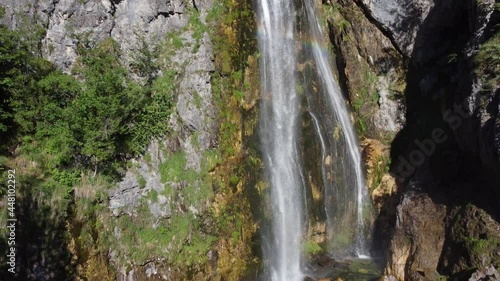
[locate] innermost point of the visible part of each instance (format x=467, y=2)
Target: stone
x=124, y=21
x=473, y=241
x=401, y=18
x=390, y=116
x=418, y=238
x=485, y=274
x=387, y=188
x=412, y=24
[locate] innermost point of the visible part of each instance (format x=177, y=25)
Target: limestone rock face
x=489, y=273
x=413, y=25
x=193, y=124
x=68, y=21
x=440, y=42
x=390, y=116
x=371, y=69
x=402, y=18
x=125, y=198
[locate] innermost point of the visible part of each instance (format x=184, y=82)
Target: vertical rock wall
x=444, y=158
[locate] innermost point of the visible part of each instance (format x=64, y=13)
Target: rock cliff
x=421, y=78
x=437, y=58
x=188, y=191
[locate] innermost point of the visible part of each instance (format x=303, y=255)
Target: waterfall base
x=326, y=268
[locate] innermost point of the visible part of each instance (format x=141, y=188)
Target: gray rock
x=150, y=269
x=126, y=196
x=160, y=209
x=401, y=18
x=485, y=274
x=125, y=21
x=414, y=25
x=195, y=109
x=391, y=114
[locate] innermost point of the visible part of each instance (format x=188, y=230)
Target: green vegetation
x=341, y=239
x=311, y=248
x=180, y=240
x=487, y=62
x=73, y=134
x=70, y=136
x=183, y=238
x=93, y=122
x=332, y=11
x=141, y=181
x=381, y=166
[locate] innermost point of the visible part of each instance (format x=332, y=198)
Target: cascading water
x=278, y=130
x=344, y=185
x=349, y=185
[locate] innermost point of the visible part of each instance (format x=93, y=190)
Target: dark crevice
x=377, y=24
x=164, y=15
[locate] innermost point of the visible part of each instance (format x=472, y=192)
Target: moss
x=197, y=99
x=174, y=39
x=311, y=248
x=141, y=181
x=147, y=158
x=180, y=240
x=475, y=231
x=174, y=168
x=341, y=240
x=487, y=62
x=153, y=194
x=363, y=59
x=194, y=140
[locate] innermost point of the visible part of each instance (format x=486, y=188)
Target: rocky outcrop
x=371, y=71
x=401, y=19
x=175, y=215
x=418, y=238
x=473, y=241
x=489, y=273
x=69, y=21
x=438, y=189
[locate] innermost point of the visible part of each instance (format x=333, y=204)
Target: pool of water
x=348, y=270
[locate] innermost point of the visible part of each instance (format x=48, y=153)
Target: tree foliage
x=92, y=118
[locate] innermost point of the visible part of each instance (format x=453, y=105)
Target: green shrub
x=311, y=247
x=141, y=181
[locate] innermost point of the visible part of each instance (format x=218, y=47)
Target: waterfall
x=349, y=185
x=345, y=192
x=278, y=131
